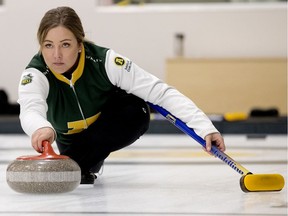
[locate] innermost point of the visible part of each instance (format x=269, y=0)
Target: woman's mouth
x=58, y=64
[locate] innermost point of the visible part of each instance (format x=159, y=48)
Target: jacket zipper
x=79, y=106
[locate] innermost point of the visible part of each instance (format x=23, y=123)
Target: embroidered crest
x=119, y=61
x=26, y=79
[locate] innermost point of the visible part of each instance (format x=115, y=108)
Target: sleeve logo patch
x=119, y=61
x=26, y=79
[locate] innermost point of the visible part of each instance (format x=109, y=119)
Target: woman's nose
x=57, y=53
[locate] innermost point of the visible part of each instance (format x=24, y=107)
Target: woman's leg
x=123, y=120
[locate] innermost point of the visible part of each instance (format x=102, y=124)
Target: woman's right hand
x=40, y=135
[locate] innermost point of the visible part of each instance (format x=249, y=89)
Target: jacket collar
x=77, y=73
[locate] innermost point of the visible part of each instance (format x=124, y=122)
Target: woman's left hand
x=217, y=140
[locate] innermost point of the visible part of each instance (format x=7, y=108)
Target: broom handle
x=183, y=127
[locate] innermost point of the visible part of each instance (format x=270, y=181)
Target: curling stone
x=45, y=173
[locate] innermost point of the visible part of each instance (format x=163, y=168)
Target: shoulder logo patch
x=119, y=61
x=26, y=79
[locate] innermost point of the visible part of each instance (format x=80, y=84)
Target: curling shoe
x=88, y=178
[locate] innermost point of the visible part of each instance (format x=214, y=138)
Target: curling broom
x=249, y=182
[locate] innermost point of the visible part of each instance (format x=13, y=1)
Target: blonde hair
x=61, y=16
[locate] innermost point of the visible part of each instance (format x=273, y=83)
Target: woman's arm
x=123, y=73
x=32, y=93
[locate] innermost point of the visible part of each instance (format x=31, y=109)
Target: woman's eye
x=66, y=45
x=48, y=45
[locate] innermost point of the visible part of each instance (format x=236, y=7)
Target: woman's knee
x=136, y=113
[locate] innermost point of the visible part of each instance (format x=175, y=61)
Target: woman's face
x=60, y=49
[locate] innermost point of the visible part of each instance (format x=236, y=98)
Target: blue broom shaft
x=183, y=127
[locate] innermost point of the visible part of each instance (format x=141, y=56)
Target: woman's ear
x=80, y=47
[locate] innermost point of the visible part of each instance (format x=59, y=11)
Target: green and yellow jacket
x=69, y=106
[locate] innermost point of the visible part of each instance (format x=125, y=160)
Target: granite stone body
x=45, y=173
x=43, y=176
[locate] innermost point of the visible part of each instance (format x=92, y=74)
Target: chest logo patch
x=26, y=79
x=119, y=61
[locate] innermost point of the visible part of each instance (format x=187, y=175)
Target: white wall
x=146, y=33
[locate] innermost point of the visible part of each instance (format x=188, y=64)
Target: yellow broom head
x=262, y=182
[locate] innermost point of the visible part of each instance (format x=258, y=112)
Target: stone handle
x=48, y=153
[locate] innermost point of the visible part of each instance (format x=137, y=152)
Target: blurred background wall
x=146, y=33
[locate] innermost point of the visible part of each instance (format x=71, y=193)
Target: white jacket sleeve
x=33, y=91
x=123, y=73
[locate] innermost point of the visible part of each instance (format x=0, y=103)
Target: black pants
x=123, y=120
